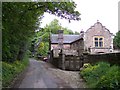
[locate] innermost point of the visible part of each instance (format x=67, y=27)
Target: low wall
x=112, y=58
x=67, y=62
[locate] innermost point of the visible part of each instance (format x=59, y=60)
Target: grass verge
x=11, y=70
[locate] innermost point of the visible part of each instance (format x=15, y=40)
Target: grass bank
x=11, y=70
x=101, y=75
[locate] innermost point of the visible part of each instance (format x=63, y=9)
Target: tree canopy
x=21, y=19
x=117, y=40
x=42, y=36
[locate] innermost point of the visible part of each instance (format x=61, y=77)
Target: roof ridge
x=68, y=38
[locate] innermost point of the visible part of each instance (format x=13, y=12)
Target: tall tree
x=21, y=19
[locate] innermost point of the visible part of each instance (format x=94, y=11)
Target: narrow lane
x=38, y=76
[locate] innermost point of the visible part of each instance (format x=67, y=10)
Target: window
x=98, y=41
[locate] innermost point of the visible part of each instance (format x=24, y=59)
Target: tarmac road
x=39, y=76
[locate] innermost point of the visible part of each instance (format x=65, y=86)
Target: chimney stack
x=60, y=39
x=82, y=33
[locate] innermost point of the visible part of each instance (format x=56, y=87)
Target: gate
x=73, y=62
x=67, y=62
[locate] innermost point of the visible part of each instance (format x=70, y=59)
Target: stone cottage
x=67, y=42
x=97, y=39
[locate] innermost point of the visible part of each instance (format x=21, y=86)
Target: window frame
x=98, y=41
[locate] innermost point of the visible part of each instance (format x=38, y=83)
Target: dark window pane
x=96, y=38
x=96, y=44
x=100, y=39
x=101, y=44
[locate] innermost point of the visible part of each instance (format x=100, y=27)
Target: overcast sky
x=106, y=11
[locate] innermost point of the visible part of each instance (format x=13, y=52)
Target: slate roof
x=67, y=39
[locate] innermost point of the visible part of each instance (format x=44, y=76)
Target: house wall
x=78, y=45
x=55, y=46
x=98, y=30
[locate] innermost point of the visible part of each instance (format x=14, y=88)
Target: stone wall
x=65, y=51
x=79, y=46
x=55, y=46
x=112, y=58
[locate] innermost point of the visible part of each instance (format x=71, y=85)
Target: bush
x=102, y=75
x=86, y=65
x=111, y=79
x=11, y=70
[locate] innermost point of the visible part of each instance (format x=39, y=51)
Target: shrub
x=86, y=65
x=7, y=73
x=111, y=79
x=11, y=70
x=102, y=75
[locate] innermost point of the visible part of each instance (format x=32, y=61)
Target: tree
x=44, y=34
x=21, y=19
x=67, y=31
x=76, y=33
x=18, y=27
x=54, y=26
x=43, y=48
x=117, y=39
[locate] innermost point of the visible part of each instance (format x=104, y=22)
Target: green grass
x=102, y=75
x=11, y=70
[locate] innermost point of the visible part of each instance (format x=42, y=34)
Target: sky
x=106, y=11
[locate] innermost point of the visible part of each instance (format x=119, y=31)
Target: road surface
x=39, y=76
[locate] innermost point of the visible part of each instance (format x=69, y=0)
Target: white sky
x=106, y=11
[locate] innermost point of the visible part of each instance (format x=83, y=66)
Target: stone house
x=67, y=42
x=97, y=39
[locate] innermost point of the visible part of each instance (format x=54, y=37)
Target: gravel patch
x=70, y=77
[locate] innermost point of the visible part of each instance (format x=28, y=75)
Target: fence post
x=63, y=61
x=60, y=60
x=85, y=56
x=74, y=62
x=81, y=60
x=51, y=56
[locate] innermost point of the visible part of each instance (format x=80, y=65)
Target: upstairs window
x=98, y=41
